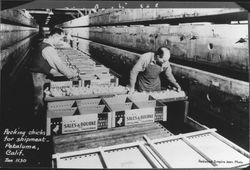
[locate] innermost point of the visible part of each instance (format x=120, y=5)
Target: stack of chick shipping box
x=101, y=113
x=77, y=115
x=90, y=72
x=72, y=115
x=135, y=109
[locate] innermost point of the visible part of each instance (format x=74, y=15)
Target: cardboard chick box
x=101, y=69
x=90, y=79
x=84, y=117
x=89, y=102
x=96, y=105
x=67, y=104
x=65, y=84
x=147, y=101
x=167, y=94
x=109, y=78
x=125, y=112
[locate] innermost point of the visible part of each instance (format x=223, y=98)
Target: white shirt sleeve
x=50, y=54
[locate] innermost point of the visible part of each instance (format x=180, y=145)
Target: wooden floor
x=107, y=137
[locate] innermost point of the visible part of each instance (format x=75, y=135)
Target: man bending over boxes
x=46, y=62
x=145, y=75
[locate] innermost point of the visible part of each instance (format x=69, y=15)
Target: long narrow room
x=124, y=84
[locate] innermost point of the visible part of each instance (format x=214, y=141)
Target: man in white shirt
x=47, y=61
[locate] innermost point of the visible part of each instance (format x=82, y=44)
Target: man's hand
x=73, y=74
x=177, y=88
x=130, y=90
x=74, y=78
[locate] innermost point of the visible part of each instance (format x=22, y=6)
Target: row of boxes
x=90, y=72
x=71, y=93
x=100, y=113
x=87, y=80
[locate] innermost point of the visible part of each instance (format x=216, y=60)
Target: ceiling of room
x=51, y=17
x=48, y=13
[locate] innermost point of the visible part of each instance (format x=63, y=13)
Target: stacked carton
x=130, y=110
x=93, y=77
x=90, y=72
x=79, y=110
x=77, y=115
x=101, y=113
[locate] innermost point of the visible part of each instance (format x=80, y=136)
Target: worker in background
x=46, y=62
x=145, y=75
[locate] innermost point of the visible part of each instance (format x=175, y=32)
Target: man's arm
x=170, y=76
x=50, y=54
x=53, y=72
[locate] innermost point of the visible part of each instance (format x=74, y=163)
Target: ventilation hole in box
x=210, y=46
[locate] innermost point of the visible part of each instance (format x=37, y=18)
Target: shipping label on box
x=69, y=124
x=78, y=123
x=160, y=108
x=133, y=116
x=138, y=116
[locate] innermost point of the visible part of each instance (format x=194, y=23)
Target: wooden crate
x=130, y=155
x=108, y=137
x=201, y=149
